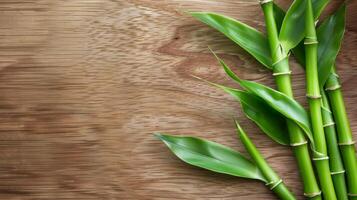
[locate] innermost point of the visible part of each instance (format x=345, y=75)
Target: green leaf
x=329, y=34
x=293, y=27
x=268, y=119
x=299, y=54
x=251, y=40
x=282, y=103
x=279, y=15
x=212, y=156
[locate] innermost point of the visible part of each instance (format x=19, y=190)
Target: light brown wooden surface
x=85, y=83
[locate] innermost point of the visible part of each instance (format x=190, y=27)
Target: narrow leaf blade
x=279, y=15
x=283, y=104
x=293, y=27
x=248, y=38
x=268, y=119
x=211, y=156
x=330, y=34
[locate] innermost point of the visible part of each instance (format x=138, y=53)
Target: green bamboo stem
x=274, y=181
x=314, y=97
x=283, y=82
x=336, y=165
x=344, y=135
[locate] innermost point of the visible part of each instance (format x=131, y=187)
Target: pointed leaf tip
x=241, y=134
x=239, y=128
x=256, y=109
x=157, y=135
x=209, y=82
x=215, y=55
x=227, y=69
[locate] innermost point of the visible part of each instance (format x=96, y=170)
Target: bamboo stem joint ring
x=326, y=109
x=311, y=195
x=275, y=184
x=310, y=40
x=339, y=172
x=282, y=73
x=329, y=124
x=335, y=87
x=298, y=144
x=321, y=158
x=313, y=96
x=347, y=143
x=281, y=59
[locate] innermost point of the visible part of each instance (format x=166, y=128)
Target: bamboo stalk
x=314, y=97
x=283, y=82
x=275, y=183
x=336, y=165
x=345, y=140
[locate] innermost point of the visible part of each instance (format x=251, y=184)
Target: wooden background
x=85, y=83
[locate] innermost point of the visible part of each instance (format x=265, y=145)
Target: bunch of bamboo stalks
x=321, y=137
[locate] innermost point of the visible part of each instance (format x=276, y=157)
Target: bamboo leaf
x=268, y=119
x=279, y=15
x=299, y=54
x=293, y=27
x=283, y=104
x=329, y=34
x=248, y=38
x=212, y=156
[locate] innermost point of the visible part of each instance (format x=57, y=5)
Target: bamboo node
x=310, y=40
x=329, y=124
x=326, y=109
x=313, y=96
x=352, y=195
x=275, y=184
x=321, y=158
x=313, y=194
x=336, y=75
x=335, y=87
x=346, y=143
x=317, y=21
x=338, y=172
x=298, y=143
x=281, y=73
x=278, y=61
x=264, y=1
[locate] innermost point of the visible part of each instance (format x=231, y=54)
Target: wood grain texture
x=85, y=83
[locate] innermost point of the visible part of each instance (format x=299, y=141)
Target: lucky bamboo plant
x=276, y=112
x=273, y=52
x=314, y=97
x=329, y=36
x=345, y=140
x=218, y=158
